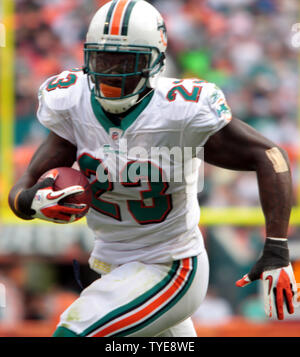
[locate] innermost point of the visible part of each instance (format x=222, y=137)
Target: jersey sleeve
x=56, y=120
x=212, y=114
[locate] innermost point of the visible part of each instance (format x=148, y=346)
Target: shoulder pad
x=63, y=92
x=193, y=98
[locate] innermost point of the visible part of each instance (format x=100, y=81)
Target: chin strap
x=117, y=106
x=108, y=107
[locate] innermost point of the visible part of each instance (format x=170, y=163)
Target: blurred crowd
x=244, y=46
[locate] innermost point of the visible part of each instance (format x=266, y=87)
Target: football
x=67, y=177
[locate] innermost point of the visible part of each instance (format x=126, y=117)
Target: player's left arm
x=240, y=147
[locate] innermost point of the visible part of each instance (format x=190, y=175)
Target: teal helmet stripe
x=127, y=17
x=108, y=17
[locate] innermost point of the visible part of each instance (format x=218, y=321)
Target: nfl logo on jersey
x=115, y=134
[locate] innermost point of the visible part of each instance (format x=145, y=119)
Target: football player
x=148, y=247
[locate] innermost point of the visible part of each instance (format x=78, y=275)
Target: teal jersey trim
x=127, y=121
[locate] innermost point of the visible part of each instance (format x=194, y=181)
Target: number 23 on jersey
x=161, y=203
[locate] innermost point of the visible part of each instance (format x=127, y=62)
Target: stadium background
x=245, y=46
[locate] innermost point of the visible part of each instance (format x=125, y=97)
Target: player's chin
x=128, y=85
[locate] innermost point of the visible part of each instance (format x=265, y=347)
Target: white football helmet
x=124, y=50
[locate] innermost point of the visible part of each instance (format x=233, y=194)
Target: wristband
x=16, y=200
x=275, y=255
x=26, y=196
x=276, y=252
x=278, y=239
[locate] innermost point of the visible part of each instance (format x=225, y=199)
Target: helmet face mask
x=125, y=69
x=124, y=50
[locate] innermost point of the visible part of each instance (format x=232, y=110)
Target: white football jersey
x=144, y=206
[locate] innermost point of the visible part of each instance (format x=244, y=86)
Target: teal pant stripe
x=64, y=332
x=165, y=308
x=135, y=303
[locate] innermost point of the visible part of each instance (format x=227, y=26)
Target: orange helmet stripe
x=117, y=17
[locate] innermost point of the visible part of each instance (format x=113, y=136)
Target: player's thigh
x=175, y=320
x=183, y=329
x=139, y=299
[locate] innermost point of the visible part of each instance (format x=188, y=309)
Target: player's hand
x=279, y=284
x=41, y=201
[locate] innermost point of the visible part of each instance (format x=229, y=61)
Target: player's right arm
x=53, y=152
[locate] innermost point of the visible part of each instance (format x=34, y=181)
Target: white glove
x=279, y=289
x=41, y=201
x=276, y=272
